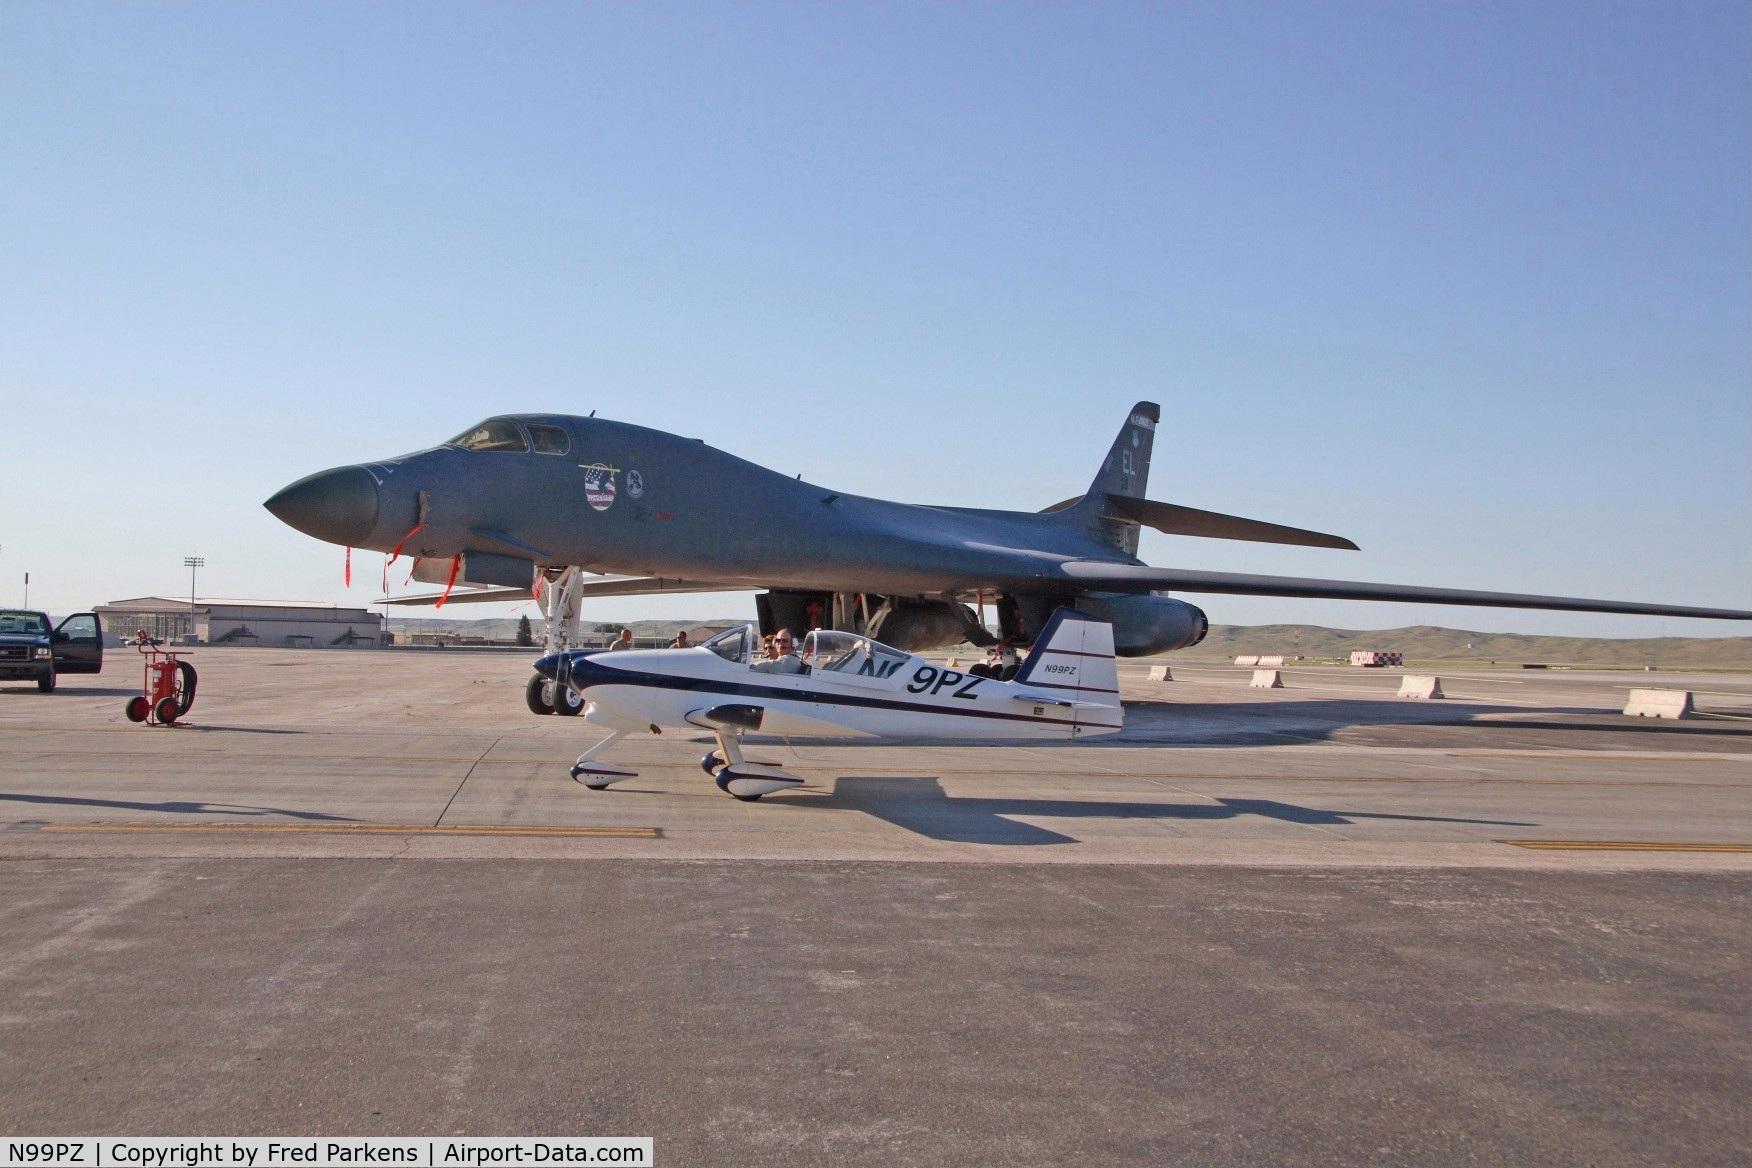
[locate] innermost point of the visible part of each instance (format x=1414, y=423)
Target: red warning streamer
x=347, y=569
x=396, y=554
x=455, y=566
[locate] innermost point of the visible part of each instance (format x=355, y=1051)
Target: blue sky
x=1466, y=283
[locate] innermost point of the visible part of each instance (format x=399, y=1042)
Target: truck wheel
x=567, y=701
x=46, y=683
x=185, y=687
x=534, y=697
x=139, y=709
x=166, y=710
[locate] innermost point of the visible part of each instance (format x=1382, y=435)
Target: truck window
x=82, y=627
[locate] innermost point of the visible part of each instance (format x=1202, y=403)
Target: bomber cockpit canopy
x=492, y=434
x=840, y=652
x=506, y=435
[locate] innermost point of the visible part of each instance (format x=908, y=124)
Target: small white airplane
x=842, y=685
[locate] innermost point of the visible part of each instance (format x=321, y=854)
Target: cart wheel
x=185, y=687
x=535, y=696
x=166, y=710
x=139, y=709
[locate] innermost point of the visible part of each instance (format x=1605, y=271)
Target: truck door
x=78, y=644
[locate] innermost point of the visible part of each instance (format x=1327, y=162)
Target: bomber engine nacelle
x=1147, y=624
x=915, y=624
x=920, y=625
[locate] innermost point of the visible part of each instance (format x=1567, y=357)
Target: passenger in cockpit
x=781, y=655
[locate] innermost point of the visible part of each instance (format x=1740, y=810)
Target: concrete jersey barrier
x=1267, y=679
x=1414, y=685
x=1659, y=703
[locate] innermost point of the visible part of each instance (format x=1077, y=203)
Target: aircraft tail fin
x=1124, y=474
x=1126, y=470
x=1073, y=659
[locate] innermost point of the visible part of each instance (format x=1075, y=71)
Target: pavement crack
x=467, y=775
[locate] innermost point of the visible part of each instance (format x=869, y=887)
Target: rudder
x=1073, y=659
x=1124, y=472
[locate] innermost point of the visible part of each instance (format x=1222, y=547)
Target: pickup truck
x=30, y=649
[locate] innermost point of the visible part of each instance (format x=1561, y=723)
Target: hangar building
x=278, y=623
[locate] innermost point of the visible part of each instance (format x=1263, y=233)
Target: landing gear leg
x=560, y=604
x=598, y=775
x=740, y=778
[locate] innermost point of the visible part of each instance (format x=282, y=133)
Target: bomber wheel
x=535, y=694
x=138, y=708
x=568, y=702
x=166, y=709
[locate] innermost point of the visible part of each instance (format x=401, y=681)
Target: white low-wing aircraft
x=842, y=685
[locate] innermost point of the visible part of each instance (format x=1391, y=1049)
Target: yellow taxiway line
x=1626, y=846
x=358, y=829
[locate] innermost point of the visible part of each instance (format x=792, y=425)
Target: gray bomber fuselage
x=669, y=512
x=700, y=513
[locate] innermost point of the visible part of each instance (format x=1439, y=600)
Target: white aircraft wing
x=1142, y=578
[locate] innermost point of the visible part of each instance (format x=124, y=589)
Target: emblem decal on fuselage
x=635, y=484
x=599, y=488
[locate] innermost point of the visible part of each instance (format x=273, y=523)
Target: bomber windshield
x=23, y=622
x=496, y=434
x=838, y=652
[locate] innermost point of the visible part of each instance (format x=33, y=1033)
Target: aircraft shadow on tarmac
x=1219, y=724
x=172, y=808
x=921, y=805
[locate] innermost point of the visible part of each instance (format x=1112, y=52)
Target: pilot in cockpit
x=781, y=655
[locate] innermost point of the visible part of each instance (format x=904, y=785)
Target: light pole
x=193, y=564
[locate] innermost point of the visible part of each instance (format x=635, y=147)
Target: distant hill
x=1430, y=643
x=1417, y=643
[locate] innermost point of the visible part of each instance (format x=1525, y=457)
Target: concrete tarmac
x=358, y=893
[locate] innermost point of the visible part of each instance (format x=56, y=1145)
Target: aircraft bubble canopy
x=840, y=652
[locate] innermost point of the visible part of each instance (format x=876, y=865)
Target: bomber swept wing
x=1142, y=578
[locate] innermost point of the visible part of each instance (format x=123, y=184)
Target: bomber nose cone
x=338, y=505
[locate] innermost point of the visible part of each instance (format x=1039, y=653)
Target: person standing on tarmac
x=624, y=641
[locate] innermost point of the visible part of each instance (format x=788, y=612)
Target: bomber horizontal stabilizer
x=1142, y=578
x=1174, y=519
